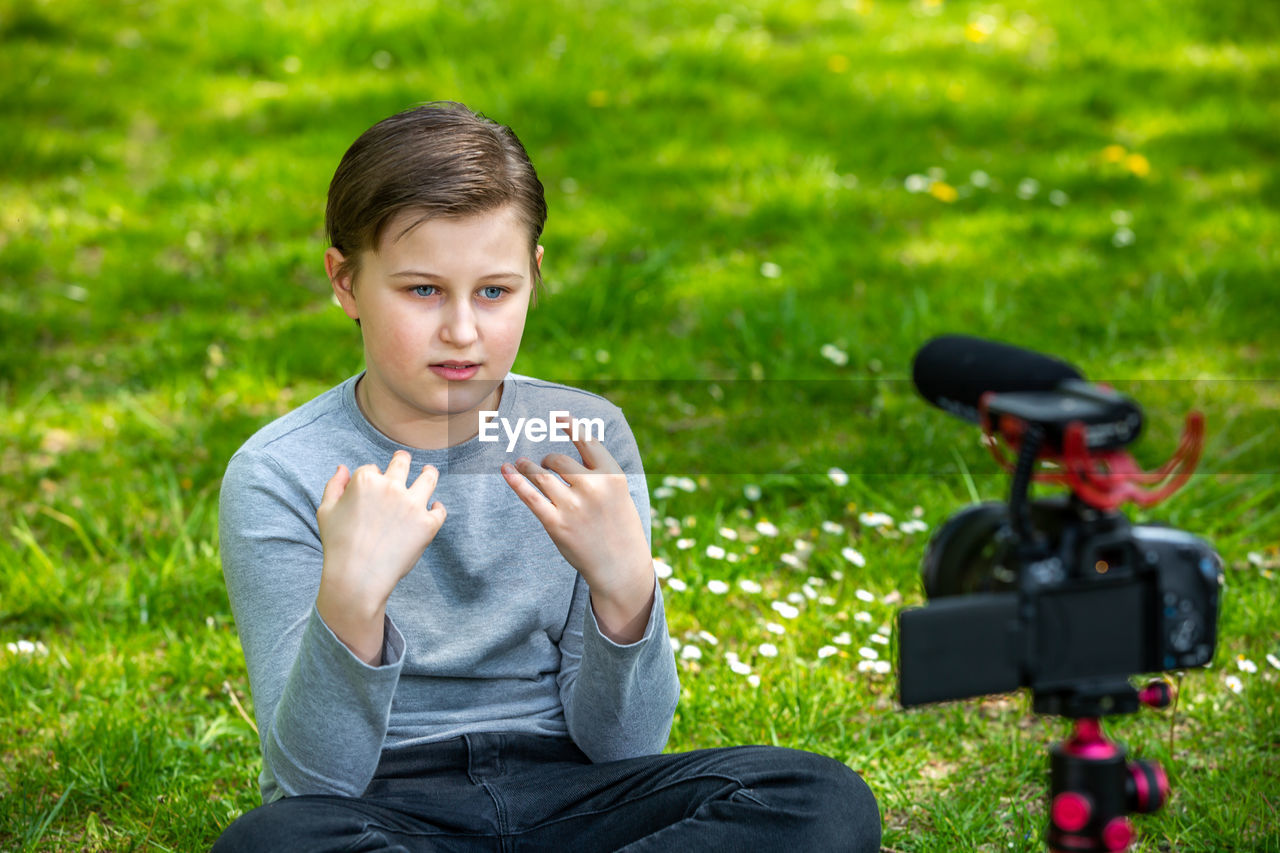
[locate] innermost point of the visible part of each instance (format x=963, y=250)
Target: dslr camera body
x=1064, y=594
x=1090, y=601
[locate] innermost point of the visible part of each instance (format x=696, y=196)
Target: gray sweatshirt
x=491, y=631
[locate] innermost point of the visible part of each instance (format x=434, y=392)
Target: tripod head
x=1092, y=786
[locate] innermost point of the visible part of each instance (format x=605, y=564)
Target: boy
x=449, y=646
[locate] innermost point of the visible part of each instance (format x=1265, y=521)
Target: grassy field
x=788, y=196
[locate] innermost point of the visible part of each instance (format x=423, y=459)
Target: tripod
x=1092, y=787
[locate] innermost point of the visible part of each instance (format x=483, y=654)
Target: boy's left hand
x=594, y=523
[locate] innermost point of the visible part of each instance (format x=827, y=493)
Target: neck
x=417, y=429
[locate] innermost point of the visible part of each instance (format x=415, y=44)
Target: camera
x=1064, y=594
x=1091, y=599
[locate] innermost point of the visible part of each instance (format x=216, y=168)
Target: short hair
x=439, y=158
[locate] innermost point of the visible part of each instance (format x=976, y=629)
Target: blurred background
x=789, y=196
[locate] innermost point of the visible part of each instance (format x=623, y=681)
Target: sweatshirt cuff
x=339, y=654
x=656, y=618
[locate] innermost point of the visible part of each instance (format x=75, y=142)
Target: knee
x=839, y=807
x=253, y=830
x=292, y=823
x=852, y=808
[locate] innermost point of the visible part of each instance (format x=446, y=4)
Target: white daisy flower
x=786, y=611
x=853, y=556
x=766, y=528
x=838, y=476
x=836, y=356
x=768, y=650
x=717, y=587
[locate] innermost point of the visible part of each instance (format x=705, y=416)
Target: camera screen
x=1096, y=632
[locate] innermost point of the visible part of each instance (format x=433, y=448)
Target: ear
x=533, y=291
x=344, y=285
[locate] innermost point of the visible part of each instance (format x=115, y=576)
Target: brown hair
x=439, y=158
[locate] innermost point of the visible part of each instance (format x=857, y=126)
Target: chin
x=470, y=396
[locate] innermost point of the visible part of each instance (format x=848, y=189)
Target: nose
x=459, y=327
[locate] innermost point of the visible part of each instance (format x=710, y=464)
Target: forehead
x=500, y=229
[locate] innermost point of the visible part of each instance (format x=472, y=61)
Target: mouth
x=455, y=369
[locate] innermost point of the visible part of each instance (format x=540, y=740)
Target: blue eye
x=493, y=292
x=418, y=291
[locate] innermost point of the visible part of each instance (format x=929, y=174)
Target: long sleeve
x=491, y=631
x=619, y=700
x=322, y=713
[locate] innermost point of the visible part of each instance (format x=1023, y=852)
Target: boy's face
x=448, y=292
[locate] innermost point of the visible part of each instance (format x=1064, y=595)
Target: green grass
x=729, y=193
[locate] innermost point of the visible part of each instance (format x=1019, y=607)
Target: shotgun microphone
x=953, y=372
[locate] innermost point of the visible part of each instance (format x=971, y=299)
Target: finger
x=334, y=489
x=398, y=467
x=425, y=485
x=438, y=514
x=566, y=466
x=555, y=490
x=542, y=508
x=596, y=456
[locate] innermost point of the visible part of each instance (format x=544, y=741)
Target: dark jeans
x=514, y=792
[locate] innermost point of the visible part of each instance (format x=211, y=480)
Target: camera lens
x=968, y=553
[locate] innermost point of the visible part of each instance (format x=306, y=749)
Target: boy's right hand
x=374, y=528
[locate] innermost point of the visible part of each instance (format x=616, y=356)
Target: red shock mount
x=1102, y=479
